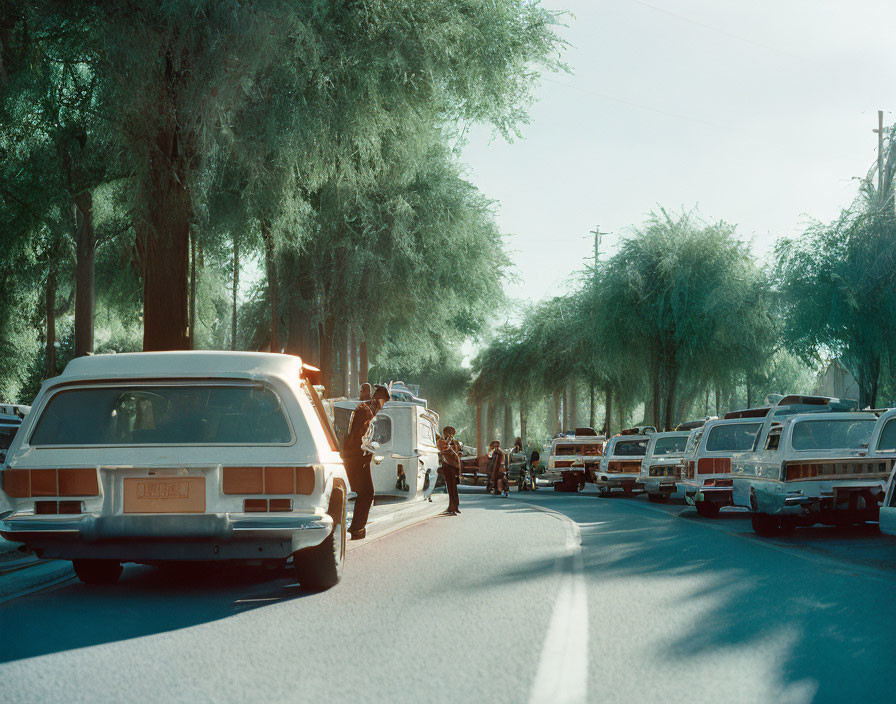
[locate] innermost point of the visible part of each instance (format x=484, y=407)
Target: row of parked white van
x=800, y=461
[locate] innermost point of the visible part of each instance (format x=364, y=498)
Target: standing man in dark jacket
x=449, y=452
x=357, y=461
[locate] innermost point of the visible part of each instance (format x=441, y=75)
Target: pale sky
x=760, y=113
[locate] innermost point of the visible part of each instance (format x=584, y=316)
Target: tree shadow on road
x=146, y=601
x=821, y=627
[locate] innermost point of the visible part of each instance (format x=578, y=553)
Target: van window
x=426, y=433
x=887, y=440
x=159, y=414
x=732, y=437
x=382, y=429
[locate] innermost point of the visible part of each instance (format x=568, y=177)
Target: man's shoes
x=358, y=534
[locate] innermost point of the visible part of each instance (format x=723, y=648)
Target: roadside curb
x=33, y=575
x=405, y=517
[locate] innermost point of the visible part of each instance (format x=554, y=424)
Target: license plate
x=164, y=495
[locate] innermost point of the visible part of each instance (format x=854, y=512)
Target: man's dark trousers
x=451, y=487
x=358, y=471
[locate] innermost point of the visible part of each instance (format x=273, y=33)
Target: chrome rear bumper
x=214, y=536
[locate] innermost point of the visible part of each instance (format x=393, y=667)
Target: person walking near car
x=449, y=468
x=357, y=461
x=497, y=469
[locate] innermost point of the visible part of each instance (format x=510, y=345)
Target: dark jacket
x=363, y=414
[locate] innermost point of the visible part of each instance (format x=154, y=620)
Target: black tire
x=708, y=509
x=766, y=526
x=97, y=571
x=320, y=567
x=604, y=491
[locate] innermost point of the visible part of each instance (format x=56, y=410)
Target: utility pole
x=880, y=152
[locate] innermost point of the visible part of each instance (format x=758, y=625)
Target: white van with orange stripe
x=173, y=456
x=574, y=458
x=809, y=468
x=706, y=465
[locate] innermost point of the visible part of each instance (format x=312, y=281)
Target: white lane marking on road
x=562, y=674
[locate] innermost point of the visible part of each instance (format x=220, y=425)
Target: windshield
x=832, y=434
x=670, y=446
x=163, y=415
x=630, y=448
x=734, y=437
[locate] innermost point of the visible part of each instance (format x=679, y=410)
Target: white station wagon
x=808, y=468
x=174, y=456
x=620, y=466
x=661, y=466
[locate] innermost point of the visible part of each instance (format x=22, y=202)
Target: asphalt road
x=536, y=597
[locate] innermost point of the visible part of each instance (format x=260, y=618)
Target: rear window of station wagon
x=734, y=437
x=630, y=448
x=670, y=446
x=832, y=434
x=191, y=414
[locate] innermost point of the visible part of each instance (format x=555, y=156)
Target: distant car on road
x=179, y=456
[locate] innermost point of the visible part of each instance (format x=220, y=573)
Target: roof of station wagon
x=196, y=363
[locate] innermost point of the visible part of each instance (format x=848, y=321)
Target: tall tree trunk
x=717, y=399
x=591, y=390
x=672, y=381
x=573, y=405
x=362, y=363
x=165, y=230
x=270, y=262
x=655, y=391
x=325, y=337
x=608, y=410
x=524, y=412
x=490, y=421
x=84, y=274
x=555, y=419
x=236, y=286
x=749, y=394
x=192, y=290
x=508, y=425
x=480, y=446
x=564, y=415
x=353, y=383
x=50, y=302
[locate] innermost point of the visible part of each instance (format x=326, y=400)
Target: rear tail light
x=266, y=505
x=255, y=505
x=714, y=465
x=833, y=470
x=25, y=483
x=44, y=508
x=623, y=466
x=268, y=480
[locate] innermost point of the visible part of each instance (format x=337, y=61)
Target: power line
x=712, y=28
x=640, y=106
